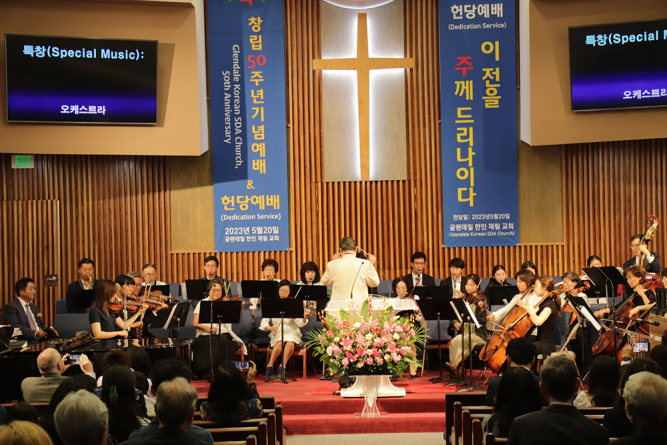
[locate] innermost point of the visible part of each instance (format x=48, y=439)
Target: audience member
x=118, y=394
x=520, y=353
x=664, y=334
x=164, y=371
x=560, y=422
x=232, y=398
x=603, y=381
x=70, y=384
x=645, y=397
x=23, y=433
x=51, y=365
x=117, y=357
x=22, y=313
x=21, y=411
x=81, y=419
x=615, y=419
x=659, y=355
x=175, y=405
x=140, y=361
x=518, y=394
x=3, y=411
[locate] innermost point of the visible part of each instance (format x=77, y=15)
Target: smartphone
x=311, y=304
x=243, y=366
x=640, y=347
x=73, y=360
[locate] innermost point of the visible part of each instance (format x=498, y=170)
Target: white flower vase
x=370, y=385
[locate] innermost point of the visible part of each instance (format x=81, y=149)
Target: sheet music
x=166, y=325
x=590, y=318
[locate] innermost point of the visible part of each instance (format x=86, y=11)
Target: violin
x=478, y=296
x=118, y=306
x=567, y=308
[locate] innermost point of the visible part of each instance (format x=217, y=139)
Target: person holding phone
x=51, y=365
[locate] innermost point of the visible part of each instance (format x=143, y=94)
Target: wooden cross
x=362, y=65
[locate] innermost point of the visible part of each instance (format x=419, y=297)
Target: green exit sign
x=23, y=161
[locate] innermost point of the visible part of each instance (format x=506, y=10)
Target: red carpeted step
x=348, y=424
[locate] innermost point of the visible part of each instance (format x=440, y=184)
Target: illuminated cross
x=362, y=65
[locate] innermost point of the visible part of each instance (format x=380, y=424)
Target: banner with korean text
x=248, y=117
x=480, y=190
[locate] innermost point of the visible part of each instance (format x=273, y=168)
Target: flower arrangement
x=367, y=343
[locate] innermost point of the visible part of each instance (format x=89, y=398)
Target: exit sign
x=23, y=161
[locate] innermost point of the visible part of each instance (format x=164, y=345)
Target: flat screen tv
x=69, y=80
x=618, y=65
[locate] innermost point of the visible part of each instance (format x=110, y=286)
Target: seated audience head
x=284, y=288
x=139, y=359
x=639, y=364
x=81, y=419
x=518, y=394
x=603, y=380
x=560, y=380
x=521, y=352
x=21, y=411
x=456, y=266
x=168, y=369
x=117, y=357
x=175, y=403
x=472, y=283
x=141, y=382
x=47, y=361
x=664, y=338
x=348, y=244
x=23, y=433
x=418, y=262
x=400, y=287
x=119, y=396
x=659, y=355
x=529, y=265
x=645, y=397
x=228, y=388
x=594, y=261
x=524, y=279
x=309, y=273
x=269, y=269
x=25, y=288
x=499, y=273
x=211, y=264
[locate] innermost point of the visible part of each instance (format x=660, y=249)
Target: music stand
x=434, y=305
x=196, y=289
x=223, y=312
x=283, y=308
x=173, y=319
x=83, y=300
x=259, y=289
x=612, y=276
x=500, y=295
x=584, y=314
x=465, y=315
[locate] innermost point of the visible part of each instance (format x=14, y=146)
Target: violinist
x=417, y=277
x=572, y=282
x=498, y=276
x=458, y=351
x=650, y=261
x=104, y=323
x=400, y=288
x=543, y=316
x=291, y=334
x=643, y=299
x=149, y=272
x=134, y=295
x=221, y=347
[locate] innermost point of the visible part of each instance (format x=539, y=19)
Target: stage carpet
x=311, y=408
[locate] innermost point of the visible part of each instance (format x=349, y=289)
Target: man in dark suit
x=454, y=282
x=560, y=422
x=418, y=277
x=651, y=261
x=520, y=353
x=175, y=405
x=23, y=314
x=645, y=397
x=86, y=269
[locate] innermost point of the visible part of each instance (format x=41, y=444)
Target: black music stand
x=500, y=295
x=83, y=300
x=196, y=289
x=222, y=312
x=613, y=277
x=259, y=289
x=434, y=305
x=585, y=314
x=283, y=308
x=174, y=319
x=465, y=314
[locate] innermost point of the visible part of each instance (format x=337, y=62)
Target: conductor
x=349, y=276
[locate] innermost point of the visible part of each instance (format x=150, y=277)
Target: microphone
x=355, y=280
x=641, y=320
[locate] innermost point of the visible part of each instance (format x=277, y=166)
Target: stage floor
x=311, y=408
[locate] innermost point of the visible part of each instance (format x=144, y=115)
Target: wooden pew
x=271, y=426
x=240, y=434
x=250, y=440
x=473, y=398
x=268, y=402
x=490, y=439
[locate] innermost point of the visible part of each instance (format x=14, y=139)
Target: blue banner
x=480, y=191
x=248, y=118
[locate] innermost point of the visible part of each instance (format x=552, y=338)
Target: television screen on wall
x=70, y=80
x=618, y=65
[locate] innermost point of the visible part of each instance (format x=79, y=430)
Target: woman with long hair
x=518, y=394
x=103, y=323
x=119, y=395
x=544, y=316
x=603, y=380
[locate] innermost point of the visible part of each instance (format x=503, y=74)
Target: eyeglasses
x=421, y=263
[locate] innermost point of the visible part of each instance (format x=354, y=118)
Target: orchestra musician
x=417, y=277
x=86, y=269
x=400, y=288
x=651, y=260
x=290, y=333
x=453, y=281
x=529, y=265
x=309, y=274
x=594, y=261
x=498, y=276
x=131, y=283
x=458, y=350
x=544, y=316
x=211, y=265
x=149, y=273
x=222, y=346
x=104, y=323
x=525, y=280
x=349, y=276
x=643, y=299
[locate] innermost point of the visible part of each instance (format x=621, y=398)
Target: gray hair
x=646, y=393
x=81, y=418
x=48, y=360
x=348, y=243
x=174, y=402
x=134, y=274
